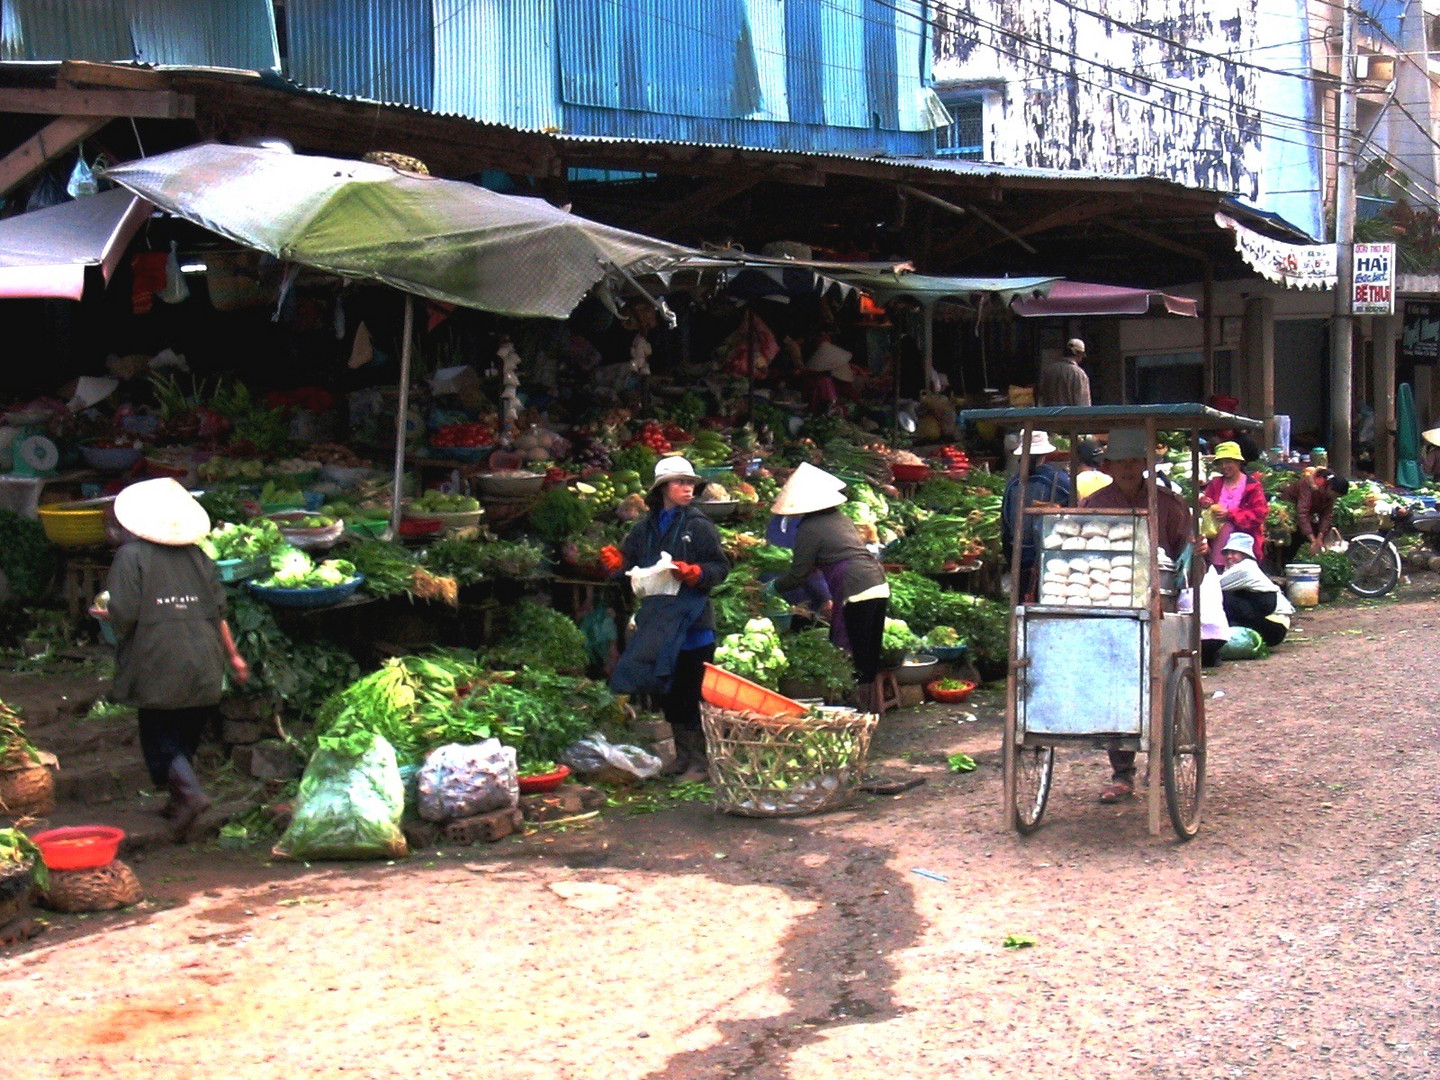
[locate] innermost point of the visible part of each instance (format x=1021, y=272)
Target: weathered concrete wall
x=1101, y=93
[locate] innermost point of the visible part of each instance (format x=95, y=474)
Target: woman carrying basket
x=674, y=635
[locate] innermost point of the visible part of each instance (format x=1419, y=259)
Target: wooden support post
x=1156, y=742
x=1387, y=329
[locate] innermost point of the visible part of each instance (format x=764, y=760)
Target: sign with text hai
x=1374, y=280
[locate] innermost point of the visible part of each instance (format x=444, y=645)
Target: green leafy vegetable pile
x=540, y=637
x=259, y=539
x=16, y=849
x=27, y=557
x=301, y=675
x=294, y=569
x=389, y=569
x=560, y=513
x=754, y=654
x=814, y=658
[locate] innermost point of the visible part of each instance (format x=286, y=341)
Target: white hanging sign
x=1374, y=290
x=1296, y=266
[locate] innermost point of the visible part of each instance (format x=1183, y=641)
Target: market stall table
x=1140, y=658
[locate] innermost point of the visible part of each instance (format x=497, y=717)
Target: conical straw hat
x=162, y=511
x=809, y=489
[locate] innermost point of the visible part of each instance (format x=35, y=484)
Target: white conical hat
x=829, y=357
x=809, y=489
x=161, y=511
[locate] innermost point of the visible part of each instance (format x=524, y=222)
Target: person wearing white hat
x=1430, y=456
x=827, y=540
x=1048, y=485
x=674, y=636
x=167, y=608
x=1251, y=598
x=830, y=370
x=1063, y=381
x=1128, y=489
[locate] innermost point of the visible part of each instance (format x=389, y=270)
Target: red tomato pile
x=675, y=433
x=653, y=435
x=462, y=435
x=953, y=460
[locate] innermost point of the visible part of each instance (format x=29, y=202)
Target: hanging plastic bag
x=82, y=181
x=175, y=291
x=461, y=781
x=349, y=807
x=595, y=753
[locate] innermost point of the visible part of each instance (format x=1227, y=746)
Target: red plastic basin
x=535, y=785
x=78, y=847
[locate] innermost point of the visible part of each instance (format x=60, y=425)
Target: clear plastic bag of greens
x=349, y=805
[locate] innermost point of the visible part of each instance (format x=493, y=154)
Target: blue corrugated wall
x=215, y=33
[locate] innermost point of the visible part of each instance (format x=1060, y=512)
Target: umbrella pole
x=402, y=415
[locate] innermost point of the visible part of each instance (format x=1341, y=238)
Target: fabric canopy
x=1083, y=298
x=926, y=290
x=44, y=254
x=442, y=239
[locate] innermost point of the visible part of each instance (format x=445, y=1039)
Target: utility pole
x=1342, y=326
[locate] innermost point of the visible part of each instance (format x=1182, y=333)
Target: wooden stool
x=882, y=694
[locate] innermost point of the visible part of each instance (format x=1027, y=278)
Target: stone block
x=496, y=825
x=561, y=803
x=256, y=707
x=243, y=732
x=911, y=696
x=649, y=731
x=591, y=798
x=271, y=759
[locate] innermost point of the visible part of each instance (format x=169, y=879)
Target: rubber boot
x=190, y=799
x=684, y=747
x=697, y=763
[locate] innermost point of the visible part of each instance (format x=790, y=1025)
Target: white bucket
x=1302, y=584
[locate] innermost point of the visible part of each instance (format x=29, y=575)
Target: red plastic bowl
x=535, y=785
x=910, y=474
x=78, y=847
x=420, y=526
x=949, y=697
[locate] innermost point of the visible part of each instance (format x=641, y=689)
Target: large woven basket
x=29, y=789
x=784, y=766
x=101, y=888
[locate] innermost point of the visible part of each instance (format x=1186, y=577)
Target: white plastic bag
x=1214, y=626
x=595, y=753
x=462, y=781
x=656, y=580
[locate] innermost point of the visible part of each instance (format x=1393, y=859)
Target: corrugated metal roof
x=519, y=85
x=378, y=49
x=748, y=134
x=217, y=33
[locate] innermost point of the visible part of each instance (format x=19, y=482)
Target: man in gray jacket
x=1063, y=381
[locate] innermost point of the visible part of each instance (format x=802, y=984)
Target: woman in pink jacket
x=1235, y=502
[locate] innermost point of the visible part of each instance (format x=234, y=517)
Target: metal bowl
x=718, y=510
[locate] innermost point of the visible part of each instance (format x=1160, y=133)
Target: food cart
x=1098, y=653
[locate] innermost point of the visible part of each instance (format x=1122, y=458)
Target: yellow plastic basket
x=82, y=526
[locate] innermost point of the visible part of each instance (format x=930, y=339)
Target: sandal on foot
x=1117, y=791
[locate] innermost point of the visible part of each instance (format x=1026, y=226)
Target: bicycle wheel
x=1374, y=565
x=1184, y=751
x=1034, y=769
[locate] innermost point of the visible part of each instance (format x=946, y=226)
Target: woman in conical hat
x=167, y=608
x=826, y=539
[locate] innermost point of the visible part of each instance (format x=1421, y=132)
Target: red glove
x=687, y=572
x=611, y=558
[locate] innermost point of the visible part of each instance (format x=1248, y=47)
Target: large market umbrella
x=442, y=239
x=48, y=253
x=1407, y=440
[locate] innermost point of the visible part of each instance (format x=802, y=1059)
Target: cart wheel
x=1034, y=768
x=1184, y=765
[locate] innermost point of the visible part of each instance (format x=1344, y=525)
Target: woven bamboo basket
x=29, y=789
x=101, y=888
x=784, y=766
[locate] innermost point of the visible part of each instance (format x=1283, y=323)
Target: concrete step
x=92, y=781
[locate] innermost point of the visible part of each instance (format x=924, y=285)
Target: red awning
x=44, y=254
x=1083, y=298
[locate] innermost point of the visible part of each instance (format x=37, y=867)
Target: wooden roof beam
x=1159, y=241
x=146, y=104
x=697, y=203
x=55, y=138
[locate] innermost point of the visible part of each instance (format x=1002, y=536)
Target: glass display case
x=1094, y=559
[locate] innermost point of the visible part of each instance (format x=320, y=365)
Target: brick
x=911, y=696
x=664, y=749
x=490, y=827
x=565, y=802
x=248, y=707
x=652, y=730
x=243, y=732
x=421, y=834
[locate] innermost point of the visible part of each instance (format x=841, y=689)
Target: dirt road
x=1294, y=938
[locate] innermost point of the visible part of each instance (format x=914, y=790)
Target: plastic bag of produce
x=656, y=580
x=1244, y=644
x=461, y=781
x=597, y=754
x=349, y=807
